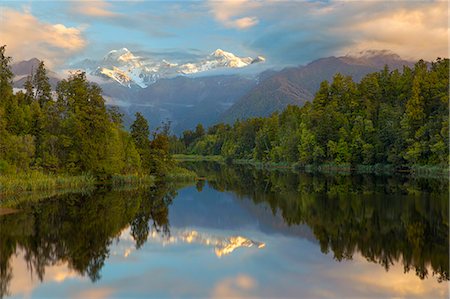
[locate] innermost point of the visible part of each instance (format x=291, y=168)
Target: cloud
x=233, y=13
x=241, y=286
x=25, y=283
x=246, y=22
x=418, y=32
x=97, y=8
x=27, y=37
x=95, y=293
x=298, y=32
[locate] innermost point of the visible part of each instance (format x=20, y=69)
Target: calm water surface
x=242, y=233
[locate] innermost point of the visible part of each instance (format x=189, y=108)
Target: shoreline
x=377, y=169
x=24, y=184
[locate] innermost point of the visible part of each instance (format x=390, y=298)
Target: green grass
x=13, y=199
x=36, y=184
x=38, y=181
x=120, y=180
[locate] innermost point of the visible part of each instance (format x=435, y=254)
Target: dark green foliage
x=398, y=118
x=43, y=90
x=155, y=154
x=72, y=131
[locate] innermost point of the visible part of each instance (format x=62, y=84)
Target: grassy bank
x=13, y=199
x=38, y=181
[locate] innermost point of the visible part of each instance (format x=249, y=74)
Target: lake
x=239, y=233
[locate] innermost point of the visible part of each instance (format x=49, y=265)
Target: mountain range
x=129, y=69
x=218, y=87
x=296, y=85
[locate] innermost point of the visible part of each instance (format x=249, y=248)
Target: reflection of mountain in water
x=222, y=245
x=389, y=220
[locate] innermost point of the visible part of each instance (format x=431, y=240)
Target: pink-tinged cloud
x=96, y=8
x=234, y=13
x=95, y=293
x=26, y=37
x=415, y=33
x=241, y=286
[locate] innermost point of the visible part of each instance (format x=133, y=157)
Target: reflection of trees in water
x=79, y=229
x=155, y=210
x=387, y=219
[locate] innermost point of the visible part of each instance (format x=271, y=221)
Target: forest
x=397, y=118
x=72, y=131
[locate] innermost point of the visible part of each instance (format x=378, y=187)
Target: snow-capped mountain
x=129, y=69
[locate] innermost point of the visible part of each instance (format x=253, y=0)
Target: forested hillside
x=71, y=130
x=389, y=117
x=297, y=85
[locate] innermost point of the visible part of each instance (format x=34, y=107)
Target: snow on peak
x=128, y=69
x=222, y=53
x=121, y=54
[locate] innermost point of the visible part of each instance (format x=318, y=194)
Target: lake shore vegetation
x=390, y=121
x=69, y=138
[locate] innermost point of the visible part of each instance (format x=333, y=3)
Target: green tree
x=140, y=133
x=43, y=90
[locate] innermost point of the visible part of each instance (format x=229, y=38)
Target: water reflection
x=222, y=245
x=388, y=220
x=272, y=229
x=79, y=229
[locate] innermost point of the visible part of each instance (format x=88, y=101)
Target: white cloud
x=26, y=37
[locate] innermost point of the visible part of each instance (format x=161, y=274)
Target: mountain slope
x=271, y=95
x=296, y=85
x=23, y=69
x=182, y=100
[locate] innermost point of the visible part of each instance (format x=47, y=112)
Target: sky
x=284, y=32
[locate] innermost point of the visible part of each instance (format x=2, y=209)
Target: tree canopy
x=390, y=117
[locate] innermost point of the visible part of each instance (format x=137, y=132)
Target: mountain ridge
x=186, y=100
x=129, y=70
x=302, y=82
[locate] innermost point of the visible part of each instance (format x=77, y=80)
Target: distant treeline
x=71, y=130
x=390, y=117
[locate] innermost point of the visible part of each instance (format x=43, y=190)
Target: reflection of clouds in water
x=125, y=246
x=24, y=282
x=358, y=278
x=241, y=286
x=289, y=275
x=373, y=279
x=97, y=293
